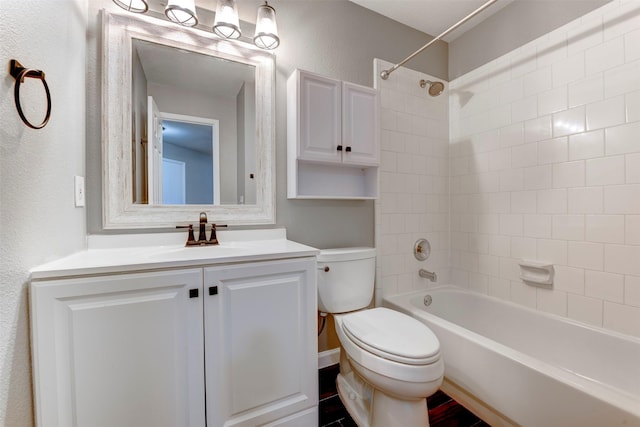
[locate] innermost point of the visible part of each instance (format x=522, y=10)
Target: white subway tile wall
x=414, y=181
x=545, y=163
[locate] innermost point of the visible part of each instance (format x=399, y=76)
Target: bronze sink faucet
x=202, y=235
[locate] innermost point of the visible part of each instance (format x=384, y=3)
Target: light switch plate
x=79, y=190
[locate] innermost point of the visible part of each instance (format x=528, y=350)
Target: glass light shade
x=182, y=12
x=136, y=6
x=227, y=24
x=266, y=36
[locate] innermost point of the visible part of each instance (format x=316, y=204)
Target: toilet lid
x=392, y=335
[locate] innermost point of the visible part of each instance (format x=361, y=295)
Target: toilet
x=389, y=362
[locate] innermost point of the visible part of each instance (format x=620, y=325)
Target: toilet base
x=369, y=407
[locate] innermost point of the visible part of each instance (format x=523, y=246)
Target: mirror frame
x=118, y=209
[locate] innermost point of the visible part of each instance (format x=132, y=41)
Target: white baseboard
x=328, y=358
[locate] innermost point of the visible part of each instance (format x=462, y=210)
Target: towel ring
x=19, y=73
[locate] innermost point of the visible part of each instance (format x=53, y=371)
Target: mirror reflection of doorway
x=185, y=167
x=193, y=141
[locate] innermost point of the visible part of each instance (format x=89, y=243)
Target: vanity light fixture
x=182, y=12
x=227, y=24
x=266, y=36
x=136, y=6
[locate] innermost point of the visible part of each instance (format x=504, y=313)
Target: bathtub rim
x=460, y=289
x=592, y=387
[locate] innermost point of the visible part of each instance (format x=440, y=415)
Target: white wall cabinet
x=360, y=125
x=144, y=349
x=332, y=138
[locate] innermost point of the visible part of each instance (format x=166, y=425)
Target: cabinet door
x=260, y=342
x=360, y=124
x=320, y=117
x=122, y=350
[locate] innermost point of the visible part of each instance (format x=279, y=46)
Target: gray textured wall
x=38, y=219
x=336, y=38
x=511, y=27
x=340, y=41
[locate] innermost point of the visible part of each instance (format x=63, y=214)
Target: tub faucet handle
x=422, y=249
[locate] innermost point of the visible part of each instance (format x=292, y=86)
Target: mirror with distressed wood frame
x=130, y=172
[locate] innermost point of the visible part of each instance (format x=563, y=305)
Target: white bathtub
x=515, y=366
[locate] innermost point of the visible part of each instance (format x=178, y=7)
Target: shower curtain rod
x=386, y=73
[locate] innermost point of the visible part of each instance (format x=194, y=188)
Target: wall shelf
x=325, y=181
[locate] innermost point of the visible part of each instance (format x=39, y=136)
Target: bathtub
x=515, y=366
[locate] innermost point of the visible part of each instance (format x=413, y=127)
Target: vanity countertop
x=139, y=252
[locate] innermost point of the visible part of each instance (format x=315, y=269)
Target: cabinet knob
x=193, y=293
x=339, y=147
x=213, y=290
x=348, y=149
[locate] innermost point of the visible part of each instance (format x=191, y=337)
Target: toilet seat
x=380, y=361
x=392, y=335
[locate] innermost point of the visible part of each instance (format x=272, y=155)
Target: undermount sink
x=226, y=249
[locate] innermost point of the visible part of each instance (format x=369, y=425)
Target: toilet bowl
x=389, y=362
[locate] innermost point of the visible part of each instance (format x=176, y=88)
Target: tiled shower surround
x=414, y=181
x=543, y=163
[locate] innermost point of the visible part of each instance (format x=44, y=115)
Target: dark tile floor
x=443, y=410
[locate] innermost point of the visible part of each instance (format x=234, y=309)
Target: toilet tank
x=348, y=282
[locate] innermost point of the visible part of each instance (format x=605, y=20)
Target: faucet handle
x=214, y=239
x=191, y=240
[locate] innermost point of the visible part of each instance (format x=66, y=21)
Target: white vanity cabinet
x=119, y=350
x=260, y=343
x=332, y=138
x=216, y=344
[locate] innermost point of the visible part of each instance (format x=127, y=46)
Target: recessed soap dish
x=537, y=273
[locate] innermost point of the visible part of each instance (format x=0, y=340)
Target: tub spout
x=428, y=275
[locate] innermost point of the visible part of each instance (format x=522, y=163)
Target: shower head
x=435, y=88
